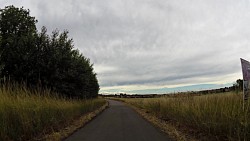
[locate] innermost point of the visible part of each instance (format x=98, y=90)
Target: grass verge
x=209, y=117
x=25, y=114
x=76, y=124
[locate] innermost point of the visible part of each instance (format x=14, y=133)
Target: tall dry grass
x=219, y=115
x=25, y=114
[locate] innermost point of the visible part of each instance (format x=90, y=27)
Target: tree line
x=38, y=58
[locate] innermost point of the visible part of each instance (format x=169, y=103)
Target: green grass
x=218, y=115
x=25, y=114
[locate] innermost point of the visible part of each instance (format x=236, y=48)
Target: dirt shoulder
x=75, y=126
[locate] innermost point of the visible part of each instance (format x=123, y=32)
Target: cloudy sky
x=147, y=46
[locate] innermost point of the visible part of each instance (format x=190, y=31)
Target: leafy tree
x=239, y=84
x=17, y=30
x=39, y=58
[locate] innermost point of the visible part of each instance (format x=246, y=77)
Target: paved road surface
x=118, y=123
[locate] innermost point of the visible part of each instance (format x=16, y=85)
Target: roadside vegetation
x=44, y=82
x=37, y=58
x=25, y=113
x=217, y=116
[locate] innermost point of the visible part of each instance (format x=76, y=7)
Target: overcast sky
x=152, y=44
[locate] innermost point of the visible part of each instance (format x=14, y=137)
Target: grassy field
x=25, y=114
x=220, y=116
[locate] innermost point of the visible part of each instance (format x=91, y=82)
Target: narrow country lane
x=118, y=123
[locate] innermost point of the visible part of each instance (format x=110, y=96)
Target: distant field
x=218, y=115
x=25, y=114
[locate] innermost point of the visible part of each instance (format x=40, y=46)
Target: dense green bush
x=37, y=58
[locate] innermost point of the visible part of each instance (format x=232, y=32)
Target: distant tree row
x=38, y=58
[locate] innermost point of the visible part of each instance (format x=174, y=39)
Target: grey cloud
x=148, y=42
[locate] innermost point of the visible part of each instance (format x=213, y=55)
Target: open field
x=26, y=114
x=220, y=116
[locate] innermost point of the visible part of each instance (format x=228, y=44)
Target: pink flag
x=246, y=78
x=245, y=69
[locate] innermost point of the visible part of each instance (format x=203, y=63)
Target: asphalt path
x=118, y=123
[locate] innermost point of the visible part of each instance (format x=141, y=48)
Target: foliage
x=17, y=31
x=26, y=113
x=239, y=84
x=37, y=58
x=220, y=115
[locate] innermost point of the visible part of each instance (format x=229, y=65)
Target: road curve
x=118, y=123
